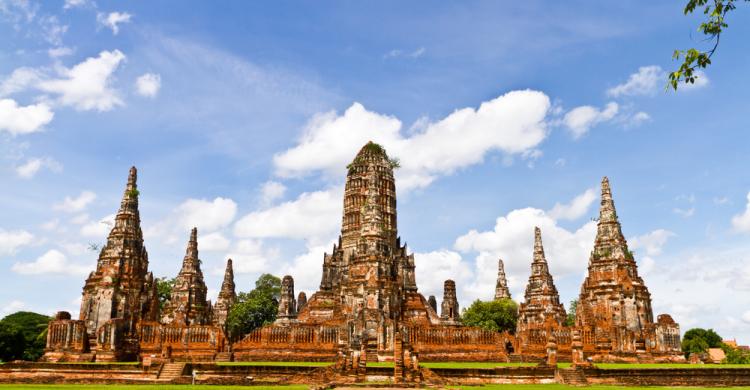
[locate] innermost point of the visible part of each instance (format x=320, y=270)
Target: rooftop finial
x=501, y=288
x=607, y=211
x=538, y=247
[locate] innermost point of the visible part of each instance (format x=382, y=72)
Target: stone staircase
x=223, y=357
x=572, y=376
x=171, y=371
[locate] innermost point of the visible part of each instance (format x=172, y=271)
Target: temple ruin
x=367, y=307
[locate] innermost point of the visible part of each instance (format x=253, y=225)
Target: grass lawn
x=285, y=364
x=668, y=365
x=566, y=387
x=148, y=387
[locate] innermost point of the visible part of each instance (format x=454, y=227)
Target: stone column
x=398, y=357
x=551, y=350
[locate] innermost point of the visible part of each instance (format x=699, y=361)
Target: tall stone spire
x=542, y=301
x=612, y=291
x=501, y=288
x=188, y=305
x=227, y=297
x=121, y=286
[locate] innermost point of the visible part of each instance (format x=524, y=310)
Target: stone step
x=171, y=371
x=223, y=357
x=572, y=376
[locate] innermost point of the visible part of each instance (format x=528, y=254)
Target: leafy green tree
x=164, y=287
x=255, y=308
x=12, y=342
x=499, y=315
x=735, y=355
x=570, y=320
x=33, y=326
x=699, y=340
x=692, y=59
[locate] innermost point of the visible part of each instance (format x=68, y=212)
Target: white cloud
x=206, y=215
x=87, y=85
x=11, y=241
x=685, y=213
x=52, y=30
x=419, y=52
x=72, y=205
x=52, y=262
x=638, y=119
x=313, y=215
x=80, y=219
x=576, y=208
x=646, y=81
x=649, y=80
x=32, y=167
x=17, y=119
x=701, y=81
x=512, y=239
x=580, y=119
x=11, y=307
x=270, y=192
x=75, y=3
x=652, y=242
x=113, y=19
x=434, y=268
x=250, y=256
x=746, y=316
x=51, y=225
x=741, y=222
x=98, y=229
x=57, y=52
x=148, y=85
x=19, y=80
x=213, y=242
x=513, y=123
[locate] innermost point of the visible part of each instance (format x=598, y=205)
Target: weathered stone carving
x=501, y=287
x=227, y=297
x=614, y=304
x=287, y=303
x=449, y=308
x=188, y=304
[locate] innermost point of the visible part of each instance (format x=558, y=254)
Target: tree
x=33, y=326
x=498, y=315
x=570, y=320
x=693, y=59
x=164, y=290
x=699, y=340
x=255, y=308
x=735, y=355
x=12, y=342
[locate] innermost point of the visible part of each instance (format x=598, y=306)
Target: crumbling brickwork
x=188, y=304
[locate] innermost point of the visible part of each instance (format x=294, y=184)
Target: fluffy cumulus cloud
x=87, y=85
x=270, y=191
x=72, y=205
x=434, y=268
x=98, y=229
x=741, y=222
x=32, y=166
x=646, y=81
x=576, y=208
x=649, y=80
x=16, y=119
x=51, y=262
x=11, y=241
x=19, y=80
x=652, y=242
x=206, y=215
x=513, y=123
x=113, y=20
x=313, y=216
x=148, y=85
x=250, y=256
x=512, y=239
x=213, y=242
x=581, y=119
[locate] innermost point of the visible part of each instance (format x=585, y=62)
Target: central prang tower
x=368, y=279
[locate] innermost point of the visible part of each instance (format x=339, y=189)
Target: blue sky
x=241, y=118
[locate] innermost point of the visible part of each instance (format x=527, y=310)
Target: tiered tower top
x=369, y=219
x=501, y=288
